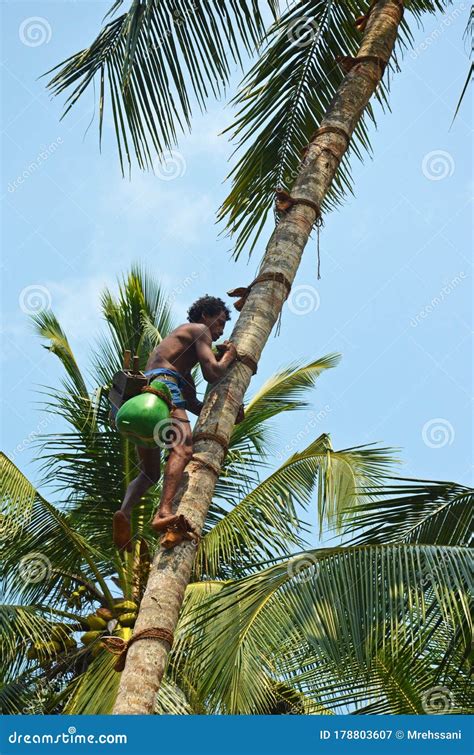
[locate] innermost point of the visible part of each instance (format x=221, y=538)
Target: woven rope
x=117, y=646
x=223, y=442
x=248, y=361
x=161, y=394
x=243, y=291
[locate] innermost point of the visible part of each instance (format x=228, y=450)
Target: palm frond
x=338, y=606
x=468, y=36
x=94, y=692
x=46, y=546
x=47, y=326
x=284, y=391
x=154, y=60
x=138, y=317
x=171, y=701
x=414, y=511
x=282, y=101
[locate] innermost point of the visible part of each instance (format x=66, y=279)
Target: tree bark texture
x=171, y=570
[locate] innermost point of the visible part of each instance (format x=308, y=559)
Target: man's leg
x=149, y=475
x=181, y=452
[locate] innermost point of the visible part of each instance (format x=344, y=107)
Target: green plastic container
x=144, y=419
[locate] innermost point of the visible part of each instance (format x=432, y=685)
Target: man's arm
x=189, y=395
x=214, y=369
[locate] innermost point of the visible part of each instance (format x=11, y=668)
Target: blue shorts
x=175, y=388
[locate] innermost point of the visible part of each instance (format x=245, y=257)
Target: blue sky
x=395, y=296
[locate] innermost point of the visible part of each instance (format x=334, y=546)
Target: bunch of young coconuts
x=117, y=621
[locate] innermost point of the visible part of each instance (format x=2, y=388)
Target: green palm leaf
x=47, y=326
x=283, y=391
x=344, y=605
x=138, y=318
x=43, y=546
x=94, y=691
x=154, y=60
x=282, y=101
x=414, y=511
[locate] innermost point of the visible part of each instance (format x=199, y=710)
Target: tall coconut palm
x=65, y=587
x=294, y=88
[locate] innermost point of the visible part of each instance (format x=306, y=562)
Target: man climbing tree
x=172, y=361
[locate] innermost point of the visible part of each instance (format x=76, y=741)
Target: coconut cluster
x=117, y=621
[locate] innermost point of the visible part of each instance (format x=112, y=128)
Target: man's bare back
x=178, y=350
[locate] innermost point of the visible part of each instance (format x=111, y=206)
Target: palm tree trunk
x=171, y=570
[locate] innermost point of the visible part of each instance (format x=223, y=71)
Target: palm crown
x=266, y=625
x=155, y=63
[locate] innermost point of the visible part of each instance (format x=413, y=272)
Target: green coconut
x=95, y=622
x=125, y=606
x=144, y=419
x=128, y=619
x=124, y=633
x=89, y=637
x=105, y=613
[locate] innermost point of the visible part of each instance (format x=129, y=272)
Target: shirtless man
x=171, y=362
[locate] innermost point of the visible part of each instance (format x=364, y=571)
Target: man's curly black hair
x=207, y=305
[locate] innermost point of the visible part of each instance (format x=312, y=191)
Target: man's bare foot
x=162, y=521
x=122, y=531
